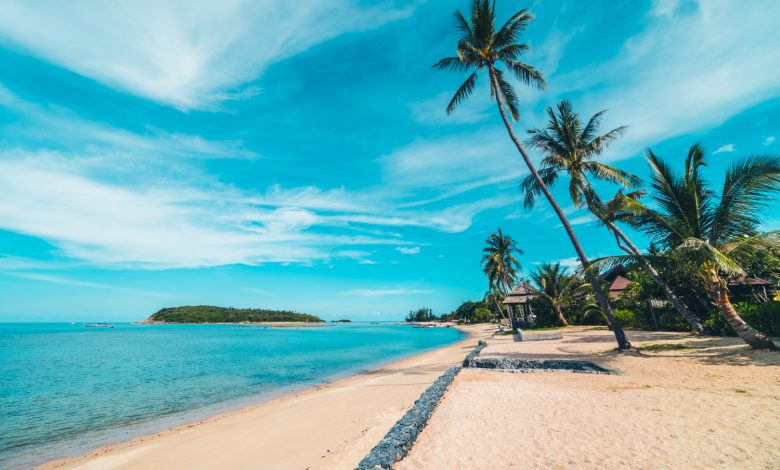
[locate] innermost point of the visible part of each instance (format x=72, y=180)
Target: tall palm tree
x=571, y=148
x=483, y=47
x=708, y=231
x=556, y=287
x=500, y=265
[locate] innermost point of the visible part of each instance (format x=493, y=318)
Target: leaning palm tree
x=708, y=231
x=557, y=288
x=571, y=148
x=500, y=264
x=482, y=47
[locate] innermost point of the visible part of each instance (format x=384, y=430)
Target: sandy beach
x=330, y=426
x=712, y=406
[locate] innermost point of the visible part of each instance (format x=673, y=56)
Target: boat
x=98, y=325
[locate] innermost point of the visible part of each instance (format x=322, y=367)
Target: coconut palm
x=499, y=263
x=571, y=148
x=709, y=231
x=557, y=288
x=482, y=47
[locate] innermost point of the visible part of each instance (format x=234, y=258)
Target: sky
x=297, y=155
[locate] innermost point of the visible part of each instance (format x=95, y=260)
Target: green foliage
x=211, y=314
x=630, y=318
x=764, y=317
x=481, y=315
x=421, y=315
x=673, y=321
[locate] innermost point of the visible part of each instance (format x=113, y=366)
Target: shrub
x=481, y=315
x=628, y=318
x=673, y=321
x=764, y=317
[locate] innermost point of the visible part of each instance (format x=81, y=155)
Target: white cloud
x=769, y=140
x=674, y=77
x=455, y=164
x=183, y=53
x=665, y=8
x=384, y=292
x=408, y=250
x=725, y=149
x=583, y=219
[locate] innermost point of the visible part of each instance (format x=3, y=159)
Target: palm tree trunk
x=559, y=312
x=716, y=288
x=510, y=311
x=620, y=335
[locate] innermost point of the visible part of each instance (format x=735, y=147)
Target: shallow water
x=65, y=389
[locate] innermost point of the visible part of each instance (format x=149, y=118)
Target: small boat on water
x=98, y=325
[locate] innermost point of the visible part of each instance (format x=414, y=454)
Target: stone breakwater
x=473, y=354
x=399, y=440
x=529, y=365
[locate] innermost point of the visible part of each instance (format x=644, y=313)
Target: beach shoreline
x=360, y=407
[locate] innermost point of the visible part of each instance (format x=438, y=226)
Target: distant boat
x=98, y=325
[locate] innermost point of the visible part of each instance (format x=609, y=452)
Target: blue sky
x=297, y=154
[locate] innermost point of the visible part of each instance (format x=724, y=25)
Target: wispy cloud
x=186, y=54
x=725, y=149
x=769, y=140
x=663, y=84
x=386, y=292
x=408, y=250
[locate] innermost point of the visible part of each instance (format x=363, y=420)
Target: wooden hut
x=618, y=286
x=518, y=303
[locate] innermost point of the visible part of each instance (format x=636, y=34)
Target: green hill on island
x=211, y=314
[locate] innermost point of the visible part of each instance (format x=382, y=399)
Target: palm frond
x=747, y=189
x=612, y=174
x=465, y=90
x=527, y=74
x=531, y=189
x=509, y=33
x=703, y=252
x=453, y=64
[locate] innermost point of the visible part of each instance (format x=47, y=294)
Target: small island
x=211, y=314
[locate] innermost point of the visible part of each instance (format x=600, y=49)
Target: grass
x=660, y=347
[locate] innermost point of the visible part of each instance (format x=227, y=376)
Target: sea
x=66, y=389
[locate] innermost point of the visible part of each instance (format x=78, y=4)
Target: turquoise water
x=65, y=389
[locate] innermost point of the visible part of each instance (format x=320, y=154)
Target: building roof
x=619, y=284
x=521, y=294
x=749, y=281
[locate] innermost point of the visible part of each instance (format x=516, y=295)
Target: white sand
x=332, y=426
x=715, y=407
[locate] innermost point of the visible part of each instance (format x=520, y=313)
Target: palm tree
x=556, y=287
x=482, y=47
x=500, y=265
x=712, y=233
x=572, y=149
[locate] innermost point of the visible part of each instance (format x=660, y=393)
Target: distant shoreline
x=277, y=324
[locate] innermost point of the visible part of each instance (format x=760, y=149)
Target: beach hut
x=518, y=303
x=751, y=289
x=618, y=286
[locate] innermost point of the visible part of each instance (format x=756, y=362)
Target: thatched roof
x=749, y=281
x=521, y=294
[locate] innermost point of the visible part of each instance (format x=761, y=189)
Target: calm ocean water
x=65, y=389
